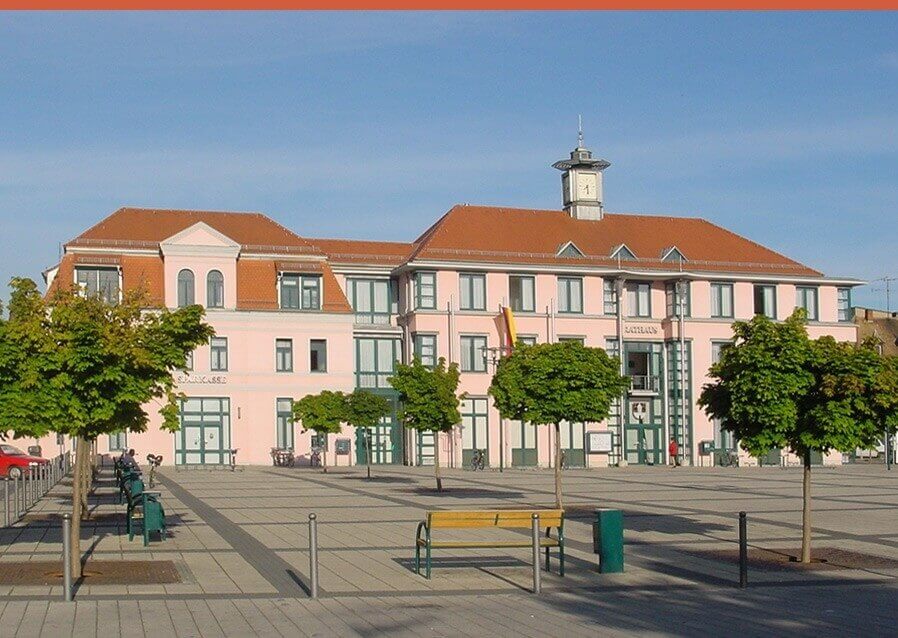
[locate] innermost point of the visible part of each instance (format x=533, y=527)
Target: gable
x=672, y=254
x=569, y=250
x=622, y=252
x=200, y=234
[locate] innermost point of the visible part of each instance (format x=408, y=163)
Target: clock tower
x=581, y=182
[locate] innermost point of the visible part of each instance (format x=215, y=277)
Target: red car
x=14, y=462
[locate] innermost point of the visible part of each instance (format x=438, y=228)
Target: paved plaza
x=240, y=543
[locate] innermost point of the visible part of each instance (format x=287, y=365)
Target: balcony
x=373, y=319
x=644, y=384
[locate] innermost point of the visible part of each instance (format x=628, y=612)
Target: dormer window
x=623, y=253
x=186, y=288
x=300, y=292
x=98, y=281
x=672, y=254
x=214, y=289
x=569, y=250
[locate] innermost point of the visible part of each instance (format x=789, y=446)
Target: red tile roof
x=147, y=227
x=351, y=251
x=526, y=236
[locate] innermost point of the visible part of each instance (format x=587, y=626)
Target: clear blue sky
x=783, y=127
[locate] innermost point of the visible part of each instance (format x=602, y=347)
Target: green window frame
x=571, y=339
x=375, y=361
x=527, y=340
x=284, y=423
x=843, y=304
x=186, y=288
x=609, y=297
x=214, y=289
x=317, y=355
x=218, y=354
x=300, y=292
x=99, y=281
x=472, y=291
x=118, y=441
x=639, y=299
x=721, y=300
x=672, y=299
x=765, y=300
x=283, y=355
x=807, y=297
x=425, y=290
x=570, y=295
x=522, y=293
x=473, y=353
x=372, y=300
x=426, y=349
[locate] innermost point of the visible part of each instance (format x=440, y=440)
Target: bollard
x=743, y=551
x=535, y=531
x=21, y=494
x=5, y=502
x=66, y=558
x=313, y=555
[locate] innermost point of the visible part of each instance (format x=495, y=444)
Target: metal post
x=5, y=502
x=888, y=450
x=743, y=551
x=536, y=575
x=313, y=555
x=67, y=557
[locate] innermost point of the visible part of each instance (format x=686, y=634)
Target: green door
x=643, y=444
x=572, y=444
x=474, y=430
x=205, y=434
x=523, y=444
x=426, y=448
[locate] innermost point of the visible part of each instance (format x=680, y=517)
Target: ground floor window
x=474, y=429
x=523, y=444
x=285, y=423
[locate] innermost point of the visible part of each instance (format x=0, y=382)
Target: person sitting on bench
x=128, y=461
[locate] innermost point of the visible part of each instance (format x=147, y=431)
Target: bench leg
x=417, y=559
x=427, y=562
x=561, y=560
x=547, y=559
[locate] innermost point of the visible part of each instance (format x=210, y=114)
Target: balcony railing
x=645, y=383
x=373, y=318
x=373, y=379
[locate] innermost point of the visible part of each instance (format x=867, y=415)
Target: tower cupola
x=581, y=182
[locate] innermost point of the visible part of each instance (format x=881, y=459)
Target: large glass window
x=318, y=355
x=426, y=290
x=300, y=292
x=472, y=291
x=806, y=297
x=118, y=441
x=219, y=352
x=844, y=304
x=284, y=411
x=570, y=295
x=473, y=354
x=609, y=290
x=375, y=361
x=102, y=282
x=672, y=297
x=765, y=300
x=522, y=293
x=721, y=300
x=639, y=299
x=186, y=289
x=283, y=354
x=370, y=298
x=214, y=289
x=426, y=349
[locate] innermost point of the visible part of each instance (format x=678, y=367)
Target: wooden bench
x=489, y=519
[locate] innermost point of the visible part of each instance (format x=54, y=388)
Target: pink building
x=295, y=315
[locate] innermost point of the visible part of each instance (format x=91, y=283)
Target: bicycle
x=154, y=462
x=315, y=457
x=478, y=462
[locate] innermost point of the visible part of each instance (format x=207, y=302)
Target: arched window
x=185, y=288
x=214, y=289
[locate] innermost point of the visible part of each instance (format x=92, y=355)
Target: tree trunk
x=806, y=510
x=84, y=460
x=368, y=450
x=324, y=454
x=77, y=508
x=436, y=461
x=558, y=504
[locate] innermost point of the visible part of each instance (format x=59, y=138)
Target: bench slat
x=513, y=519
x=543, y=542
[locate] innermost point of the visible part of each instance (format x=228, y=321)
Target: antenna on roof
x=579, y=131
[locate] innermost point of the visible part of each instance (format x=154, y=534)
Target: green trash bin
x=608, y=540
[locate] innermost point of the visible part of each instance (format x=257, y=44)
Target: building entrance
x=205, y=434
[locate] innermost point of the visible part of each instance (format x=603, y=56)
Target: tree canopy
x=365, y=409
x=554, y=382
x=324, y=412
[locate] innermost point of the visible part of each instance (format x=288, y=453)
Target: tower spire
x=579, y=131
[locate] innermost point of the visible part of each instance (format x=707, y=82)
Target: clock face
x=586, y=186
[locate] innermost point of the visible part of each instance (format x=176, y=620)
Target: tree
x=775, y=388
x=365, y=410
x=429, y=401
x=548, y=383
x=324, y=413
x=98, y=365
